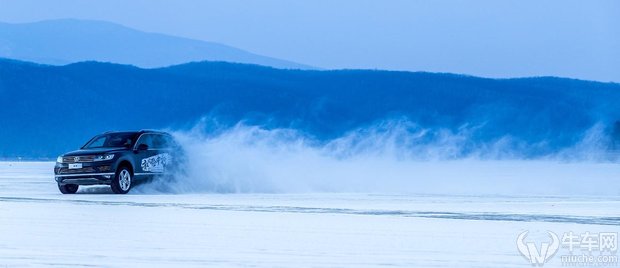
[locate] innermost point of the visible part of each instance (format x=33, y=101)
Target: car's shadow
x=154, y=187
x=103, y=189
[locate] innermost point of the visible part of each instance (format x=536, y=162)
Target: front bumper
x=85, y=178
x=89, y=174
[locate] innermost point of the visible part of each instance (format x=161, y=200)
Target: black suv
x=118, y=159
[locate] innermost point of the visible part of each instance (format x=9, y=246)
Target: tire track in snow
x=485, y=216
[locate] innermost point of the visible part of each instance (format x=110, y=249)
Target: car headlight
x=59, y=159
x=103, y=157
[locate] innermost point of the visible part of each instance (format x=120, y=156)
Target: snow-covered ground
x=41, y=227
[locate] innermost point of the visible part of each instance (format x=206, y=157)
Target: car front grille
x=78, y=171
x=78, y=159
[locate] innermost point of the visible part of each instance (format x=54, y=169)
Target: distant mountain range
x=65, y=41
x=46, y=110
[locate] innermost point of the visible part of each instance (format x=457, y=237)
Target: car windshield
x=111, y=140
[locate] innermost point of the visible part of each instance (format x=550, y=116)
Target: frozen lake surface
x=41, y=227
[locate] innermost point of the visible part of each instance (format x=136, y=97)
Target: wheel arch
x=125, y=163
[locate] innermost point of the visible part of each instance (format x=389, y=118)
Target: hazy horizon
x=572, y=39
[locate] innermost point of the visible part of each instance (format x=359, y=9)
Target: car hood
x=94, y=151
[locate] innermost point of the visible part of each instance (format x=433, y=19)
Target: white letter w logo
x=535, y=256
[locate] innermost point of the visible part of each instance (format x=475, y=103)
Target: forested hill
x=50, y=109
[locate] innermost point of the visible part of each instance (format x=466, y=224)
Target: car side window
x=169, y=142
x=146, y=139
x=159, y=142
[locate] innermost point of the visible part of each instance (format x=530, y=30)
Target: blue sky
x=577, y=39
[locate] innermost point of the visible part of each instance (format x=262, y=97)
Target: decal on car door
x=156, y=163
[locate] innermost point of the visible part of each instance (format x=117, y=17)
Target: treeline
x=49, y=109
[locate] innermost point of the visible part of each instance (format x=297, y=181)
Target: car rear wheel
x=68, y=188
x=122, y=181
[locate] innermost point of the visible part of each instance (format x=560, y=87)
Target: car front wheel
x=122, y=181
x=68, y=188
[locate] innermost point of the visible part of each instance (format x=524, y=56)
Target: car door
x=145, y=155
x=163, y=154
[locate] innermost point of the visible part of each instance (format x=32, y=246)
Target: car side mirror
x=143, y=147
